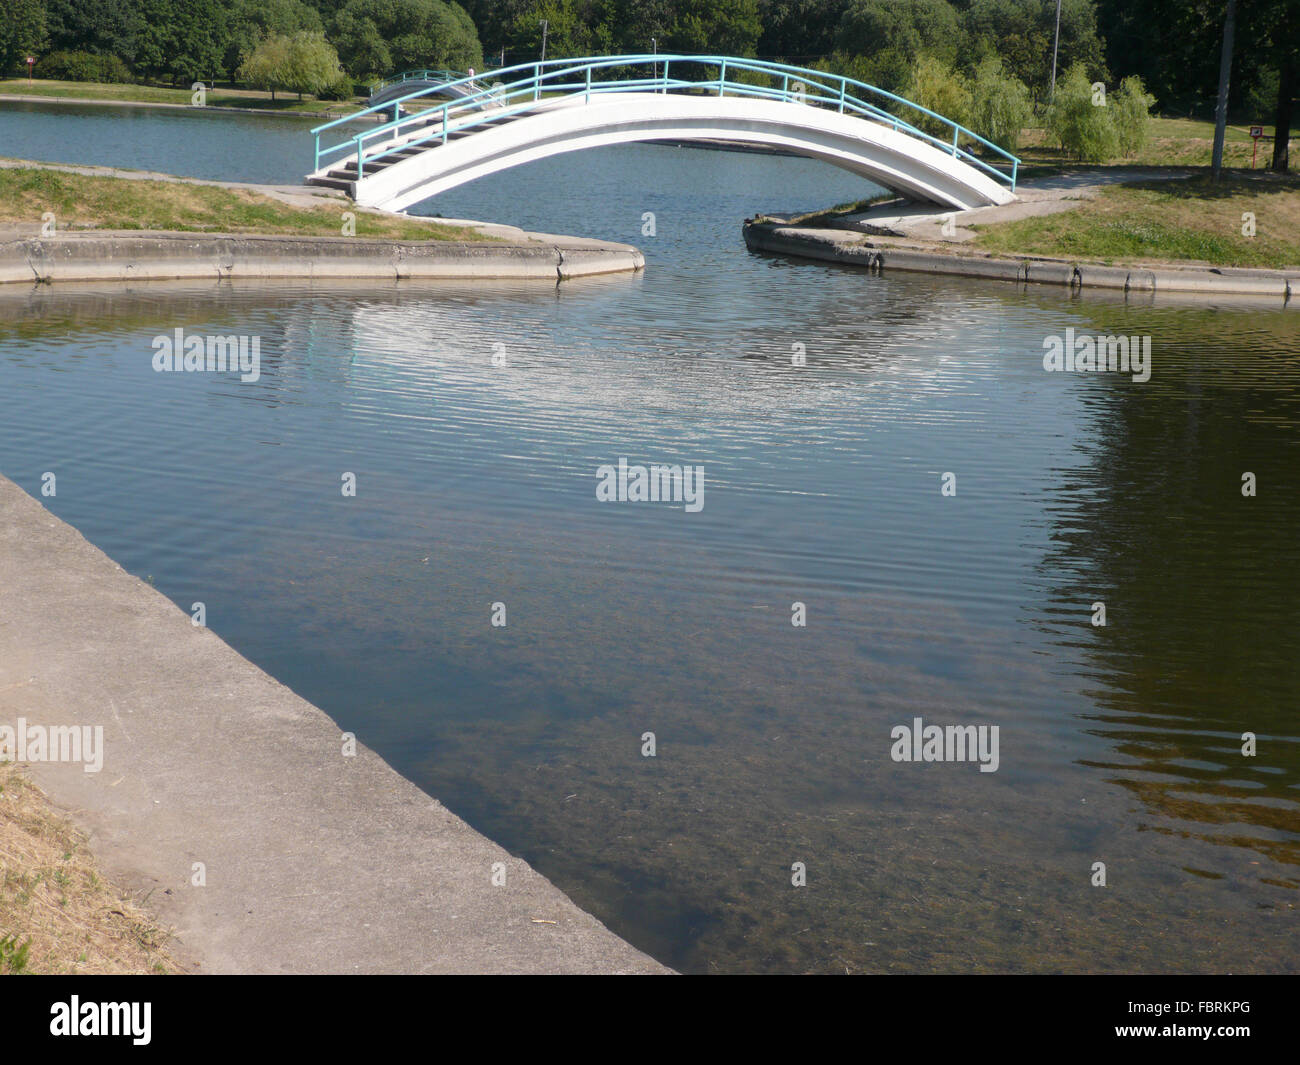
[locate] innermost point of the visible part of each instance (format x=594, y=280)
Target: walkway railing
x=518, y=89
x=421, y=74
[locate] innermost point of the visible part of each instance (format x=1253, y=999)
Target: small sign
x=1257, y=131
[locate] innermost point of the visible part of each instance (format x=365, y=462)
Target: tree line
x=1172, y=45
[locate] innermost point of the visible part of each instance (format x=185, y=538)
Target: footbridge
x=446, y=130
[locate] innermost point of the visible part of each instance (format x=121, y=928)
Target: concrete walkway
x=314, y=862
x=1035, y=197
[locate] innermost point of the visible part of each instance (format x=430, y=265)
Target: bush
x=1000, y=105
x=1082, y=127
x=937, y=86
x=342, y=88
x=1131, y=112
x=82, y=66
x=301, y=63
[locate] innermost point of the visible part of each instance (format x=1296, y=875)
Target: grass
x=1182, y=142
x=157, y=94
x=57, y=913
x=1176, y=220
x=84, y=201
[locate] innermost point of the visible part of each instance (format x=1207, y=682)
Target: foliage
x=1081, y=126
x=303, y=62
x=1130, y=110
x=937, y=86
x=82, y=66
x=1000, y=106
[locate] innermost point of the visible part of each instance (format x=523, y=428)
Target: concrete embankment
x=231, y=803
x=124, y=256
x=882, y=255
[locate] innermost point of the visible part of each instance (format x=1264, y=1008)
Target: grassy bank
x=1181, y=142
x=81, y=201
x=1178, y=220
x=57, y=913
x=252, y=99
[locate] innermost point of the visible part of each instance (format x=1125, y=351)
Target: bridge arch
x=446, y=134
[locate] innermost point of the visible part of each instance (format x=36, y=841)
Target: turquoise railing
x=520, y=88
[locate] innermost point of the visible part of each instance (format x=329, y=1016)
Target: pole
x=545, y=28
x=1225, y=70
x=1056, y=43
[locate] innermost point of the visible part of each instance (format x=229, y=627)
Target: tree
x=22, y=33
x=252, y=21
x=937, y=86
x=302, y=62
x=103, y=27
x=1000, y=106
x=414, y=33
x=1081, y=126
x=1131, y=107
x=892, y=35
x=183, y=40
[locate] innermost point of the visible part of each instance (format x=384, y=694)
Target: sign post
x=31, y=61
x=1255, y=133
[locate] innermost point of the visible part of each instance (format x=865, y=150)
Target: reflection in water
x=476, y=484
x=1201, y=580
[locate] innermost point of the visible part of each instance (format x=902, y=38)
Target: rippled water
x=476, y=485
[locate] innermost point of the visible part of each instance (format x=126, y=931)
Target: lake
x=827, y=409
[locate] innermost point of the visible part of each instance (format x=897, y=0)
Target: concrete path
x=1036, y=197
x=314, y=862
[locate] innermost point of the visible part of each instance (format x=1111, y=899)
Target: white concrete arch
x=891, y=157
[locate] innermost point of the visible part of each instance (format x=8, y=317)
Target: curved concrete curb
x=836, y=245
x=172, y=256
x=314, y=861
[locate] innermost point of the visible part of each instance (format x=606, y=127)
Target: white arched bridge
x=448, y=130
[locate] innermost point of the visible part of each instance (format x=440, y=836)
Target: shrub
x=1000, y=105
x=82, y=66
x=937, y=86
x=1131, y=107
x=1082, y=127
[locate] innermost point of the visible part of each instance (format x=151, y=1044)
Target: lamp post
x=1056, y=42
x=545, y=28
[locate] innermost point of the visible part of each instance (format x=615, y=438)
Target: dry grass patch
x=91, y=202
x=57, y=914
x=1192, y=219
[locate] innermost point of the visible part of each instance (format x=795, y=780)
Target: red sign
x=1257, y=131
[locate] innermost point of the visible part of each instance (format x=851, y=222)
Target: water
x=476, y=485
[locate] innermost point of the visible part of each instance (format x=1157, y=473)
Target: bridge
x=407, y=146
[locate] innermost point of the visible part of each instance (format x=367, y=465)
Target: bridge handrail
x=831, y=88
x=417, y=74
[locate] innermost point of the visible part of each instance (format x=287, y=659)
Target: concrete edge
x=834, y=245
x=315, y=861
x=82, y=256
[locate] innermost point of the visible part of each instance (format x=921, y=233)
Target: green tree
x=102, y=27
x=23, y=33
x=182, y=40
x=1000, y=106
x=252, y=21
x=414, y=33
x=1131, y=107
x=892, y=35
x=1081, y=125
x=937, y=86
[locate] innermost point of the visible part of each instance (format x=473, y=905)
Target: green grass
x=1181, y=142
x=252, y=99
x=1167, y=221
x=89, y=202
x=13, y=954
